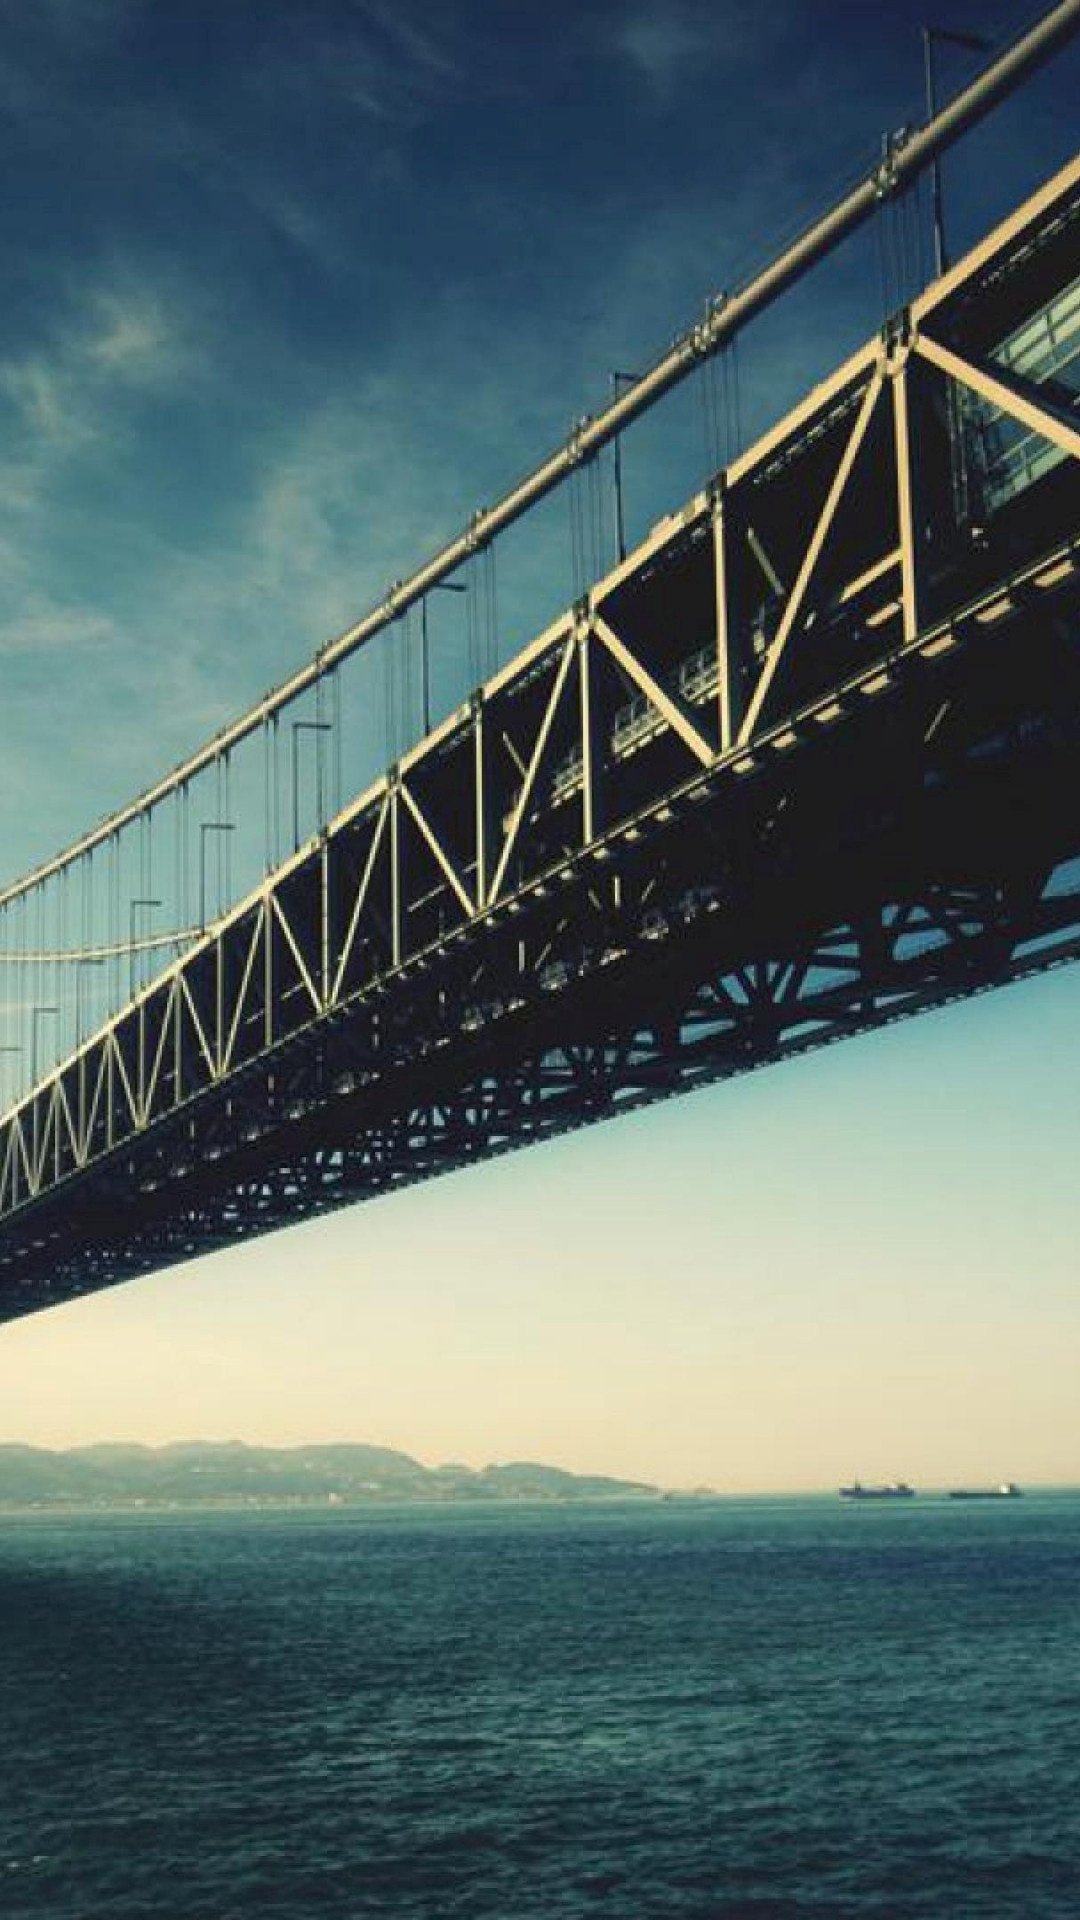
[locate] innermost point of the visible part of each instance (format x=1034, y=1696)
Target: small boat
x=1008, y=1490
x=894, y=1490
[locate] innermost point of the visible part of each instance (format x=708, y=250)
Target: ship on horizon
x=1008, y=1490
x=892, y=1490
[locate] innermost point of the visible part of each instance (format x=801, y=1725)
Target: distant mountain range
x=194, y=1473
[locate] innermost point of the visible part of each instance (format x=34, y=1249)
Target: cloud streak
x=112, y=346
x=387, y=64
x=667, y=42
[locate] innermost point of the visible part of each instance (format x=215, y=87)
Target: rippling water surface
x=747, y=1710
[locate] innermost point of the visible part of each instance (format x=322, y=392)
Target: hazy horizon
x=933, y=1484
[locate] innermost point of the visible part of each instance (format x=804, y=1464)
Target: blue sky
x=288, y=293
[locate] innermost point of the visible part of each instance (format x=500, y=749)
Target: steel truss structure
x=803, y=764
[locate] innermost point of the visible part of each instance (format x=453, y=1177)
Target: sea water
x=740, y=1710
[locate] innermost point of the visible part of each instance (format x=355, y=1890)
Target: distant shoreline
x=320, y=1504
x=235, y=1476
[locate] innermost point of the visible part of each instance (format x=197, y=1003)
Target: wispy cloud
x=41, y=392
x=336, y=511
x=119, y=339
x=390, y=65
x=57, y=58
x=44, y=48
x=45, y=626
x=131, y=337
x=234, y=184
x=665, y=41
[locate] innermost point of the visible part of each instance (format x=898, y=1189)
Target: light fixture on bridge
x=36, y=1014
x=317, y=727
x=208, y=826
x=438, y=586
x=142, y=903
x=13, y=1048
x=619, y=380
x=974, y=43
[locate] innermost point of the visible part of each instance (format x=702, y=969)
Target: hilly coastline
x=198, y=1473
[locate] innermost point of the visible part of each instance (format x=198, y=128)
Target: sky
x=288, y=294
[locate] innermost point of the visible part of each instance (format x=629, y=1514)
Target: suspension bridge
x=800, y=763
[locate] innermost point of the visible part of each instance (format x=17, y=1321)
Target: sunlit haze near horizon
x=289, y=296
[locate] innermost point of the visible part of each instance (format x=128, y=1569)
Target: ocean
x=716, y=1710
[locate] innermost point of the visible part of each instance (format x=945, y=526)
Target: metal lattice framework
x=802, y=764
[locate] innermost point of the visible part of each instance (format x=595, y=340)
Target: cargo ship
x=895, y=1490
x=1008, y=1490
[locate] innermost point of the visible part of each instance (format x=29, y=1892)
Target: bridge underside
x=925, y=849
